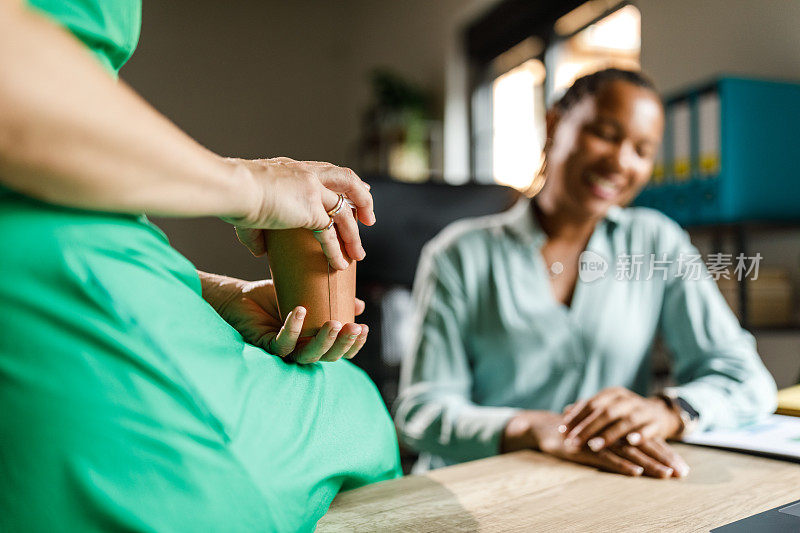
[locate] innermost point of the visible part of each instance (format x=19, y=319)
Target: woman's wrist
x=244, y=199
x=520, y=432
x=672, y=421
x=219, y=290
x=516, y=434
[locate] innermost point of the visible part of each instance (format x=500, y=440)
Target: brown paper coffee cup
x=302, y=276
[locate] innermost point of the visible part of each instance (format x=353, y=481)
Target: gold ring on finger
x=329, y=226
x=338, y=207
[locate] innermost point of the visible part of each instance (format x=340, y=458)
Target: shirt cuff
x=696, y=396
x=686, y=412
x=481, y=429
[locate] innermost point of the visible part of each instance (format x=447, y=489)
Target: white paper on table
x=775, y=435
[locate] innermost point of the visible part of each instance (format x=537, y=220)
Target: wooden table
x=531, y=492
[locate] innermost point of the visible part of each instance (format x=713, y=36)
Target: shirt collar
x=523, y=224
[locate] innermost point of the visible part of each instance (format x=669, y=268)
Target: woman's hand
x=617, y=413
x=80, y=157
x=299, y=194
x=539, y=430
x=252, y=309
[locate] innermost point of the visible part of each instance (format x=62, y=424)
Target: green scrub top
x=129, y=404
x=109, y=28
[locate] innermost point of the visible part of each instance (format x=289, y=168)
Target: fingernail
x=300, y=313
x=634, y=438
x=334, y=329
x=571, y=443
x=668, y=472
x=562, y=428
x=682, y=470
x=638, y=471
x=596, y=444
x=366, y=185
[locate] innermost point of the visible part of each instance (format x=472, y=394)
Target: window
x=518, y=124
x=509, y=103
x=612, y=41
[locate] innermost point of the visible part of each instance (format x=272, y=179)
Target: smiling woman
x=601, y=149
x=514, y=349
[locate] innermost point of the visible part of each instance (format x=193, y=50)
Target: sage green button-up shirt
x=490, y=338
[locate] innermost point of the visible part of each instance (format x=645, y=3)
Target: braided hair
x=591, y=84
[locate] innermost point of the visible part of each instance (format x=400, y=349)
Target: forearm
x=69, y=134
x=219, y=290
x=451, y=428
x=723, y=401
x=715, y=362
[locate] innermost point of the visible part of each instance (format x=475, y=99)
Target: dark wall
x=247, y=79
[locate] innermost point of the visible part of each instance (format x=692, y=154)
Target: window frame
x=485, y=40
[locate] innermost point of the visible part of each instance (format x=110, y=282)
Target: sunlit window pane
x=518, y=124
x=613, y=41
x=618, y=32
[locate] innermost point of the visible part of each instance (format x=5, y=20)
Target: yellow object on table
x=789, y=401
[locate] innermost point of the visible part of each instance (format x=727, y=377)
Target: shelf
x=787, y=329
x=745, y=225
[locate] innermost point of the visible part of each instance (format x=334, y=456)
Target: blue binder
x=754, y=176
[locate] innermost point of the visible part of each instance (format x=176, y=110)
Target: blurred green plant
x=393, y=93
x=398, y=126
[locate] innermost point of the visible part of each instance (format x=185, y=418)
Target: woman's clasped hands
x=282, y=193
x=616, y=430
